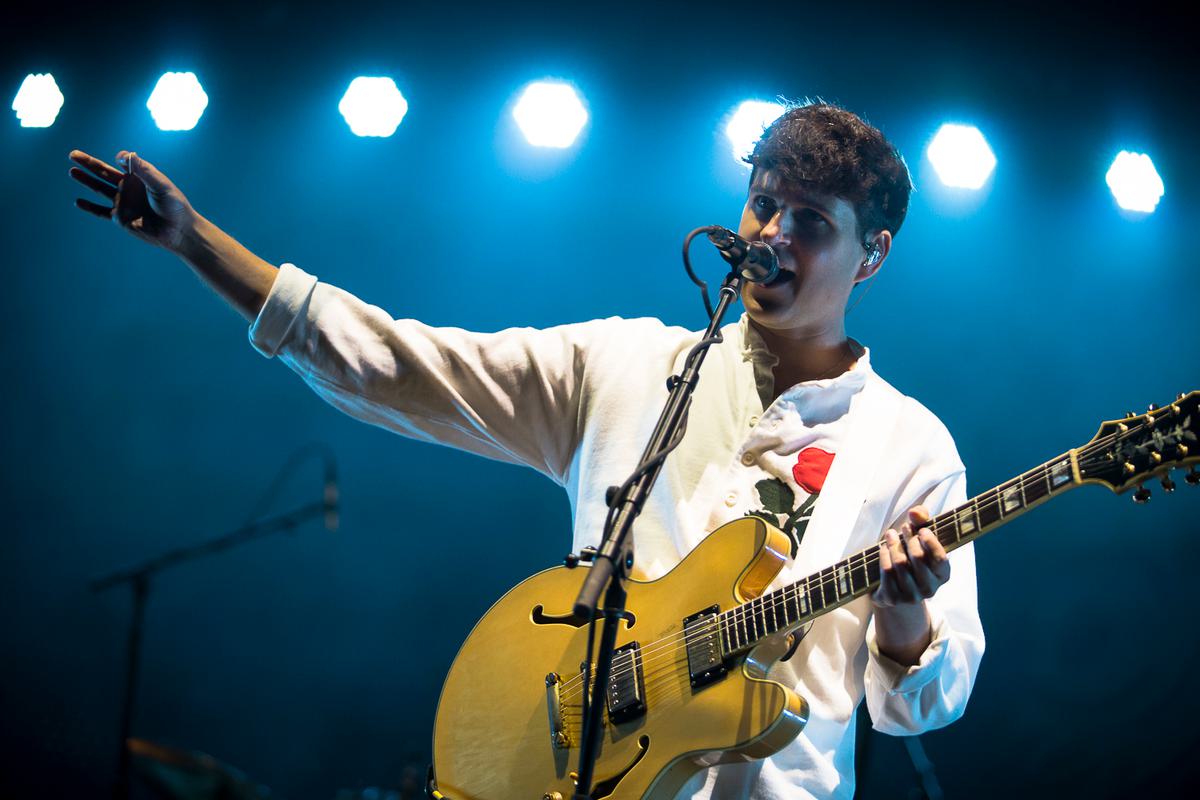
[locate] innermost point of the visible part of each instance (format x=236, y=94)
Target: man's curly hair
x=833, y=151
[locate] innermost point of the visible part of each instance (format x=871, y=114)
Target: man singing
x=789, y=423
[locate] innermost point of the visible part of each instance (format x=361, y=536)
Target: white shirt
x=578, y=403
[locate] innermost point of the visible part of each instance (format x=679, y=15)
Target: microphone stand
x=138, y=578
x=614, y=558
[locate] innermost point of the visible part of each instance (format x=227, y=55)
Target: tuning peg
x=1155, y=457
x=1181, y=450
x=1180, y=396
x=1129, y=468
x=1167, y=484
x=1142, y=495
x=1192, y=478
x=1152, y=407
x=1130, y=415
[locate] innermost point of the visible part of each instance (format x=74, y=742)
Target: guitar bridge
x=558, y=731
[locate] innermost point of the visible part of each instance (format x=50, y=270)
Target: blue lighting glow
x=177, y=102
x=38, y=101
x=961, y=156
x=1134, y=182
x=550, y=114
x=746, y=126
x=373, y=106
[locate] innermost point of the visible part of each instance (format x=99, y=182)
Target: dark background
x=138, y=418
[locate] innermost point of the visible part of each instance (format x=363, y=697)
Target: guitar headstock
x=1127, y=452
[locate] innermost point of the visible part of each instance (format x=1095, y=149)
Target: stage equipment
x=138, y=577
x=961, y=156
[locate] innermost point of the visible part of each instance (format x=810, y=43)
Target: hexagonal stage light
x=550, y=114
x=373, y=106
x=38, y=101
x=747, y=124
x=1134, y=182
x=961, y=156
x=177, y=102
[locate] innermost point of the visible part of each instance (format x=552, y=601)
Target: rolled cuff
x=288, y=299
x=896, y=678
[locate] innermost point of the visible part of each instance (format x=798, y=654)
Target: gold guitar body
x=494, y=735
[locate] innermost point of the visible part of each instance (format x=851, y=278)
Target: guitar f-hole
x=606, y=787
x=539, y=617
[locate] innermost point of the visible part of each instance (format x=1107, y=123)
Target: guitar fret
x=1012, y=498
x=859, y=579
x=1060, y=473
x=967, y=519
x=842, y=573
x=1037, y=488
x=988, y=509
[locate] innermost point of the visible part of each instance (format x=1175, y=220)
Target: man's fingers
x=919, y=516
x=93, y=183
x=104, y=170
x=154, y=179
x=104, y=212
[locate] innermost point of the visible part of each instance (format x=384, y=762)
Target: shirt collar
x=754, y=350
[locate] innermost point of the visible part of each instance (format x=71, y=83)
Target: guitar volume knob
x=1167, y=484
x=1141, y=496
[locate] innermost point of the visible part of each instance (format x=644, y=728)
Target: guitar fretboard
x=744, y=626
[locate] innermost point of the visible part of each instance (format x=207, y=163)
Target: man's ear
x=877, y=252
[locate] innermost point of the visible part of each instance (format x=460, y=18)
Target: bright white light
x=177, y=102
x=38, y=101
x=1135, y=182
x=747, y=124
x=373, y=106
x=550, y=114
x=961, y=156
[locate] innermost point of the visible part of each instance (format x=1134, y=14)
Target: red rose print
x=812, y=465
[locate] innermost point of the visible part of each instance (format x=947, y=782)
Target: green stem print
x=778, y=498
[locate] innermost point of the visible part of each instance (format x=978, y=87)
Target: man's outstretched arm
x=148, y=205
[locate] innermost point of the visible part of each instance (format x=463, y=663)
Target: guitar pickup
x=626, y=695
x=706, y=662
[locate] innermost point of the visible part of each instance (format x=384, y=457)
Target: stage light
x=961, y=156
x=1135, y=182
x=373, y=106
x=747, y=124
x=177, y=102
x=38, y=101
x=550, y=114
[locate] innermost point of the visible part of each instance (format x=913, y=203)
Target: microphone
x=330, y=495
x=756, y=261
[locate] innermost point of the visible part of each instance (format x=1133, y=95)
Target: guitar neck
x=744, y=626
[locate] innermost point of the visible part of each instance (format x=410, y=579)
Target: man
x=787, y=410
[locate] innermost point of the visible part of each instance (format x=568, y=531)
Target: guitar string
x=777, y=600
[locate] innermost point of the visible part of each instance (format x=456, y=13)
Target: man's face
x=816, y=238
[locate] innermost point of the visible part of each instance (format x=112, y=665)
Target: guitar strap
x=874, y=420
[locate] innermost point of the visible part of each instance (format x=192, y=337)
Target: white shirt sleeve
x=513, y=395
x=932, y=693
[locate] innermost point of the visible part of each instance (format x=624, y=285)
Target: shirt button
x=753, y=421
x=731, y=499
x=748, y=459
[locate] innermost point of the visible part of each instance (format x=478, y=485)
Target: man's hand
x=143, y=201
x=912, y=567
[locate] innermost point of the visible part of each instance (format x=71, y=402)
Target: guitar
x=689, y=687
